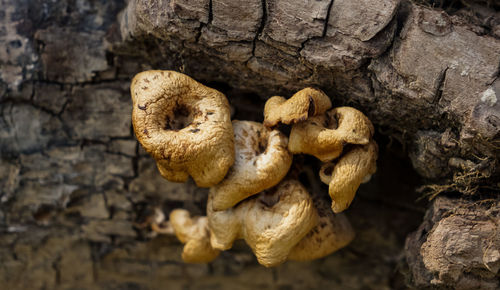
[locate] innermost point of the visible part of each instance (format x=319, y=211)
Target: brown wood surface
x=76, y=190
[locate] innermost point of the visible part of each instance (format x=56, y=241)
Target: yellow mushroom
x=262, y=161
x=346, y=174
x=272, y=223
x=325, y=136
x=195, y=234
x=331, y=233
x=184, y=125
x=302, y=105
x=186, y=128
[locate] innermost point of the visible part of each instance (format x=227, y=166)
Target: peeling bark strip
x=76, y=189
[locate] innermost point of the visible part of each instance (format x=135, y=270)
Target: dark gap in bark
x=261, y=26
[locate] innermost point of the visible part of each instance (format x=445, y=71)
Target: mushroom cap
x=225, y=225
x=262, y=161
x=195, y=234
x=325, y=136
x=184, y=125
x=302, y=105
x=272, y=223
x=331, y=233
x=348, y=173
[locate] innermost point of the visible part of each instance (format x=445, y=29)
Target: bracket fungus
x=262, y=160
x=271, y=224
x=184, y=125
x=302, y=105
x=325, y=136
x=195, y=234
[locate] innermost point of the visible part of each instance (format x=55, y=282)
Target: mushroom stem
x=159, y=225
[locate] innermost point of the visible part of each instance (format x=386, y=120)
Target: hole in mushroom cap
x=328, y=170
x=180, y=119
x=331, y=120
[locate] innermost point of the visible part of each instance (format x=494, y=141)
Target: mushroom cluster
x=186, y=127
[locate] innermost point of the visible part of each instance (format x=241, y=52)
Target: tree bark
x=76, y=189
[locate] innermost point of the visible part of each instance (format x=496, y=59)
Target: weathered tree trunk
x=76, y=189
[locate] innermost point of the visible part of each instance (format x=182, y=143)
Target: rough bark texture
x=76, y=188
x=457, y=246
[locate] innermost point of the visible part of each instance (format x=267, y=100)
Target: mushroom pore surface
x=184, y=125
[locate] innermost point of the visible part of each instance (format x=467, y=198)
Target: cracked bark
x=77, y=185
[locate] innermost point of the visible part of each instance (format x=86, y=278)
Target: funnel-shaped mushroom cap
x=325, y=136
x=302, y=105
x=272, y=223
x=262, y=161
x=184, y=125
x=345, y=176
x=331, y=233
x=195, y=234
